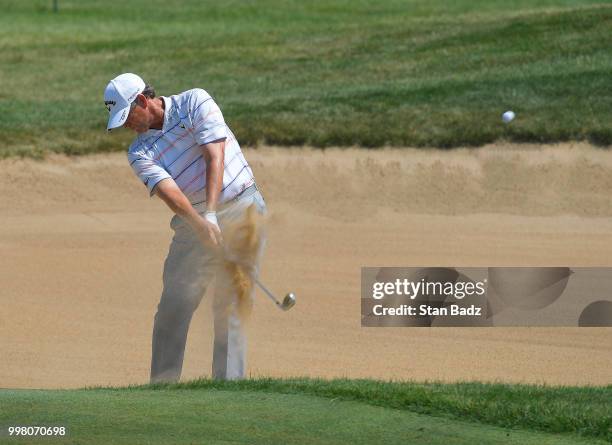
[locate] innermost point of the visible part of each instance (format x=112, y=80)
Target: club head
x=288, y=301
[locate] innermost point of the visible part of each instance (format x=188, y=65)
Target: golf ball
x=508, y=116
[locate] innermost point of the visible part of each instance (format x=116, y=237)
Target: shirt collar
x=167, y=113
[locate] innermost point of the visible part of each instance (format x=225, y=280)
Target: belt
x=250, y=190
x=201, y=207
x=246, y=192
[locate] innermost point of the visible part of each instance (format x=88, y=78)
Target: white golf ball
x=508, y=116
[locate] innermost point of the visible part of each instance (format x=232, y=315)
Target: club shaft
x=266, y=291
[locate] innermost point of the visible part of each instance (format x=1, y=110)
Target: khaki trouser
x=188, y=270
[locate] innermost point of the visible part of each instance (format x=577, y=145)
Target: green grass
x=339, y=72
x=308, y=411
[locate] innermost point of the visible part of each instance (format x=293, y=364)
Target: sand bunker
x=83, y=249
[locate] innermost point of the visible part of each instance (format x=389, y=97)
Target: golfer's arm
x=174, y=197
x=214, y=154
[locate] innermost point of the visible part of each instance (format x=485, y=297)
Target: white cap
x=118, y=95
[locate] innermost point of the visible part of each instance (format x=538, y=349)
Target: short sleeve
x=147, y=169
x=208, y=122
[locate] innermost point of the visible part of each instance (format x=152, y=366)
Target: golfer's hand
x=209, y=231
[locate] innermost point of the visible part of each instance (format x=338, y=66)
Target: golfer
x=186, y=154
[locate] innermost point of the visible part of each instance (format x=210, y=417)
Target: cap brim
x=118, y=118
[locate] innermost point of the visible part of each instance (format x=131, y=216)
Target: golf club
x=288, y=301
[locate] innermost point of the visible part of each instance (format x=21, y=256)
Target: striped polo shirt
x=191, y=119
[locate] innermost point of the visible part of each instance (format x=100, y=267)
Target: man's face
x=139, y=117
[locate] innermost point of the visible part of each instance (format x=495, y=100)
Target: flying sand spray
x=242, y=246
